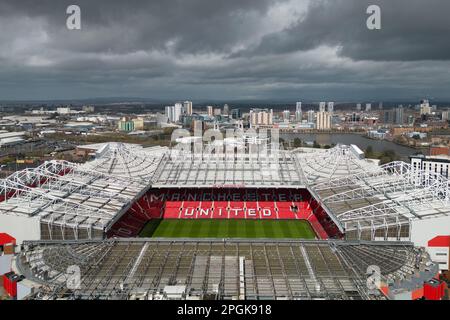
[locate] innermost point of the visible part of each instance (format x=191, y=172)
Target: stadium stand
x=253, y=203
x=120, y=268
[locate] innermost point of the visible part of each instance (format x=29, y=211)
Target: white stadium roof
x=359, y=195
x=126, y=160
x=391, y=197
x=320, y=165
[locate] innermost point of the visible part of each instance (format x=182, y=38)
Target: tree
x=297, y=143
x=369, y=152
x=388, y=156
x=384, y=160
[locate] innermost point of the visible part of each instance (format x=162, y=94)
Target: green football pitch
x=229, y=228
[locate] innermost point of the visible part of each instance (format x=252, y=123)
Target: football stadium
x=159, y=223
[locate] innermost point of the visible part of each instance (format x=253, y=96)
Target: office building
x=425, y=108
x=236, y=113
x=298, y=112
x=331, y=107
x=261, y=117
x=188, y=107
x=323, y=121
x=311, y=116
x=226, y=109
x=322, y=106
x=435, y=164
x=210, y=111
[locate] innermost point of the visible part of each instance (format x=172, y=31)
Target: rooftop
x=121, y=268
x=357, y=194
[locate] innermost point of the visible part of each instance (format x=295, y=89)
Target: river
x=361, y=141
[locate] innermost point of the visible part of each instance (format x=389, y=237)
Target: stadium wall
x=21, y=228
x=426, y=229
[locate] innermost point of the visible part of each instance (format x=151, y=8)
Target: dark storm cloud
x=121, y=26
x=224, y=49
x=411, y=30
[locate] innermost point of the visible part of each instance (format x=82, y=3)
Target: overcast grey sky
x=233, y=49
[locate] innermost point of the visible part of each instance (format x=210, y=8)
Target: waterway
x=361, y=141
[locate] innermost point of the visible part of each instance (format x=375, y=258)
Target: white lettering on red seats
x=204, y=212
x=220, y=211
x=266, y=212
x=189, y=212
x=236, y=210
x=251, y=212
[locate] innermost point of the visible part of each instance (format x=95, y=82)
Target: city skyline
x=213, y=50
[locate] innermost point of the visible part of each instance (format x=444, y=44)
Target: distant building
x=236, y=113
x=395, y=116
x=355, y=117
x=311, y=116
x=358, y=107
x=425, y=108
x=368, y=107
x=11, y=138
x=188, y=107
x=323, y=120
x=88, y=109
x=439, y=150
x=261, y=117
x=226, y=109
x=388, y=116
x=217, y=112
x=445, y=115
x=322, y=106
x=437, y=164
x=173, y=113
x=138, y=123
x=210, y=111
x=298, y=112
x=286, y=115
x=178, y=111
x=377, y=134
x=63, y=110
x=128, y=125
x=399, y=115
x=169, y=112
x=330, y=107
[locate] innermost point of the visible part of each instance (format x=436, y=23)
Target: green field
x=215, y=228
